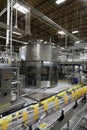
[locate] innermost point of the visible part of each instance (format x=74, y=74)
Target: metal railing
x=6, y=59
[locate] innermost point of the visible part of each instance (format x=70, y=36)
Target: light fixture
x=53, y=43
x=25, y=43
x=62, y=48
x=45, y=42
x=53, y=46
x=17, y=33
x=86, y=48
x=59, y=1
x=61, y=32
x=20, y=8
x=77, y=42
x=41, y=40
x=74, y=32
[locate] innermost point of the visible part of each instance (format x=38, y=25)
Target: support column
x=8, y=23
x=9, y=26
x=11, y=1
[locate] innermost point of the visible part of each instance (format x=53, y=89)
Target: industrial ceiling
x=71, y=15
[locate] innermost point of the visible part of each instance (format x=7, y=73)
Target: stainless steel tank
x=38, y=52
x=54, y=55
x=37, y=64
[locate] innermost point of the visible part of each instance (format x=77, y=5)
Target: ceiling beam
x=47, y=20
x=4, y=26
x=3, y=11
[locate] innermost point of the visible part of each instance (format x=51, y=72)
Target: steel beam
x=4, y=26
x=47, y=20
x=3, y=11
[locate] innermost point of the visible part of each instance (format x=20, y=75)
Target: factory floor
x=33, y=95
x=40, y=94
x=61, y=85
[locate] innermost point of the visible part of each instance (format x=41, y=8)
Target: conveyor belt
x=30, y=114
x=69, y=114
x=78, y=118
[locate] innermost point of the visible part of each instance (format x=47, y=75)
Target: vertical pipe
x=8, y=23
x=11, y=1
x=50, y=74
x=66, y=41
x=16, y=24
x=50, y=39
x=73, y=54
x=38, y=74
x=27, y=23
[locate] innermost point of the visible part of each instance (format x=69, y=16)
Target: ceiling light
x=53, y=46
x=20, y=8
x=41, y=40
x=45, y=42
x=59, y=1
x=61, y=32
x=53, y=43
x=17, y=33
x=77, y=42
x=62, y=48
x=25, y=43
x=74, y=32
x=86, y=48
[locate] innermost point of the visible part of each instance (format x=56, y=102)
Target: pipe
x=47, y=20
x=11, y=2
x=66, y=41
x=8, y=23
x=4, y=26
x=27, y=23
x=3, y=11
x=13, y=40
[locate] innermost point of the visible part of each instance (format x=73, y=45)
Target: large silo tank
x=31, y=52
x=37, y=61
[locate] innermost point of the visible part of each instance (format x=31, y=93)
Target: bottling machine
x=10, y=88
x=5, y=86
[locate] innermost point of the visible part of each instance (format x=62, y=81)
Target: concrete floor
x=40, y=94
x=62, y=85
